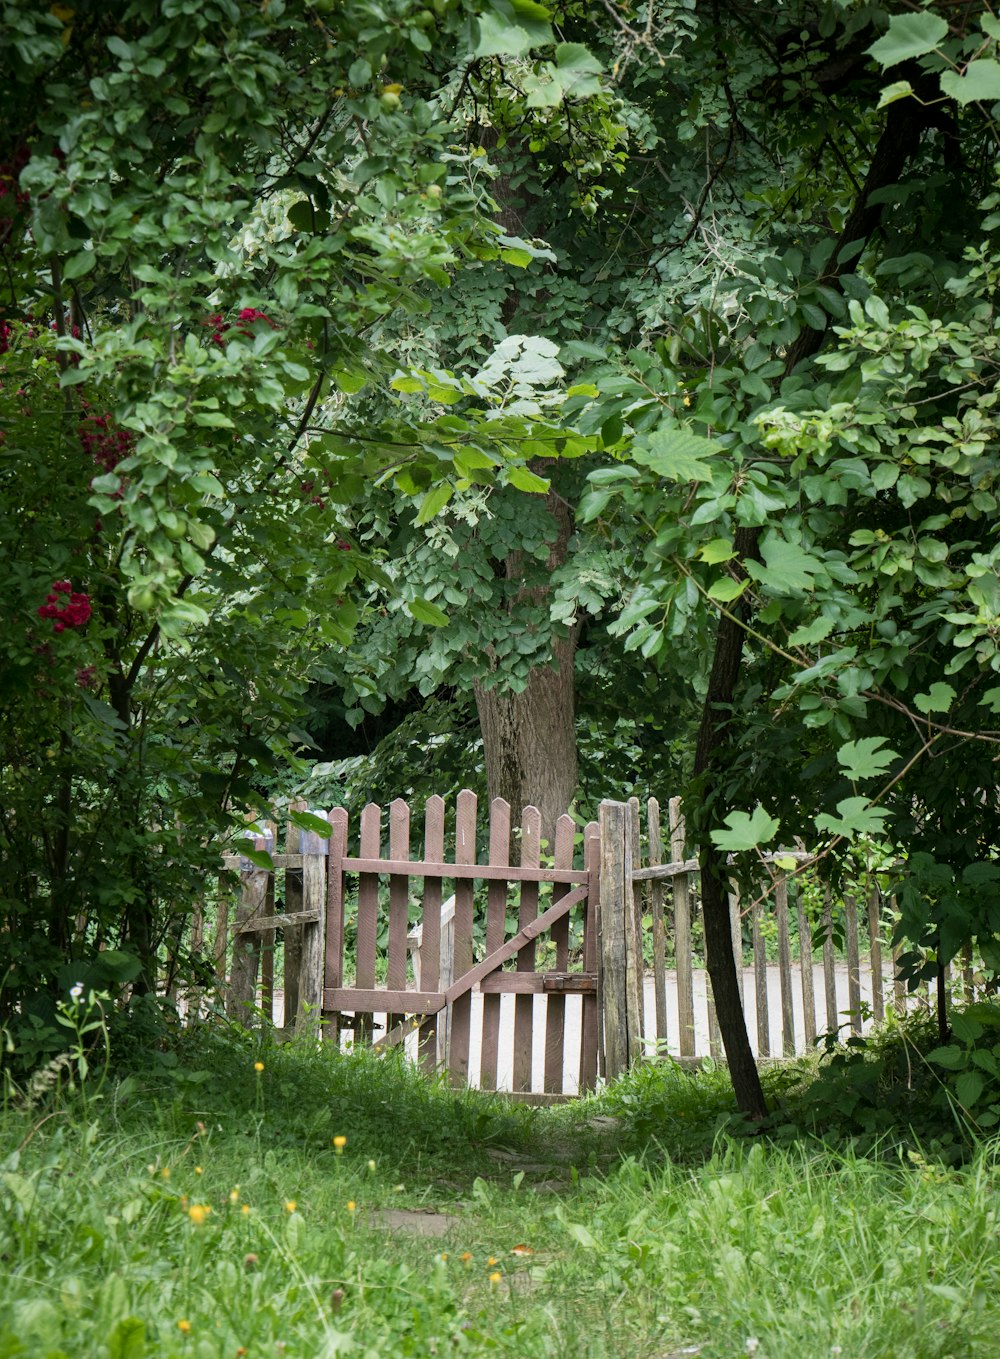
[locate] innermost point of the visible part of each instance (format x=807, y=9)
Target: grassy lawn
x=207, y=1210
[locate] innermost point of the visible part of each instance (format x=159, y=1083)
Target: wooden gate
x=498, y=945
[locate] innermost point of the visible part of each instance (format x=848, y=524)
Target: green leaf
x=500, y=38
x=746, y=831
x=434, y=502
x=583, y=1236
x=787, y=568
x=991, y=699
x=899, y=89
x=938, y=699
x=258, y=857
x=127, y=1339
x=526, y=480
x=856, y=818
x=812, y=632
x=979, y=83
x=969, y=1086
x=718, y=550
x=909, y=35
x=677, y=455
x=426, y=612
x=317, y=825
x=865, y=759
x=78, y=265
x=726, y=589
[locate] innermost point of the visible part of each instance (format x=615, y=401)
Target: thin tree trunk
x=897, y=143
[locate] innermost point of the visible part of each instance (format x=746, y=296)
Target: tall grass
x=206, y=1210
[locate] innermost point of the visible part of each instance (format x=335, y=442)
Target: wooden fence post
x=621, y=969
x=241, y=994
x=314, y=849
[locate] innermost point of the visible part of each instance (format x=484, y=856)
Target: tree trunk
x=529, y=739
x=899, y=140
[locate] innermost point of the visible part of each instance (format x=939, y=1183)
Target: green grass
x=651, y=1229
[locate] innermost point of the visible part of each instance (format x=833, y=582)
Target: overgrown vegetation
x=240, y=1196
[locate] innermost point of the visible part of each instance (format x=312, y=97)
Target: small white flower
x=76, y=990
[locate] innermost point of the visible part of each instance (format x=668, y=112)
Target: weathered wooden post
x=621, y=969
x=241, y=994
x=314, y=849
x=682, y=933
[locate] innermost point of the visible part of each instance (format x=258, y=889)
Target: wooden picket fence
x=537, y=983
x=365, y=971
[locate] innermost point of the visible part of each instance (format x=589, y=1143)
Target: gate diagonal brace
x=490, y=963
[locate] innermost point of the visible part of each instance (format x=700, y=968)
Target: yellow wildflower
x=234, y=1196
x=495, y=1277
x=351, y=1205
x=339, y=1143
x=184, y=1325
x=198, y=1170
x=198, y=1212
x=258, y=1066
x=290, y=1205
x=245, y=1209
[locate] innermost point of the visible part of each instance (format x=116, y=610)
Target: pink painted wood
x=496, y=929
x=461, y=1014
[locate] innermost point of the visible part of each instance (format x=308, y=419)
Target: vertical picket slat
x=785, y=967
x=829, y=972
x=241, y=995
x=496, y=929
x=555, y=1005
x=760, y=982
x=314, y=849
x=806, y=968
x=364, y=966
x=898, y=985
x=267, y=941
x=682, y=934
x=292, y=934
x=853, y=962
x=461, y=1013
x=333, y=968
x=633, y=903
x=434, y=1034
x=399, y=903
x=968, y=977
x=875, y=945
x=736, y=936
x=590, y=1020
x=531, y=832
x=659, y=925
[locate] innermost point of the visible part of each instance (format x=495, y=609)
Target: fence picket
x=760, y=982
x=333, y=967
x=531, y=837
x=829, y=975
x=806, y=969
x=496, y=930
x=292, y=934
x=875, y=954
x=555, y=1004
x=682, y=934
x=314, y=849
x=785, y=967
x=434, y=1034
x=853, y=962
x=461, y=1010
x=659, y=925
x=736, y=936
x=364, y=966
x=399, y=903
x=591, y=1018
